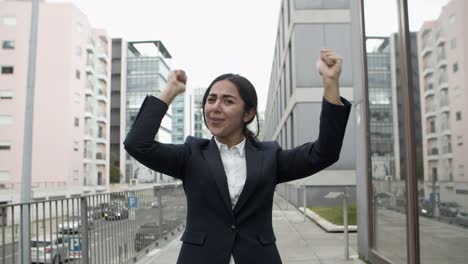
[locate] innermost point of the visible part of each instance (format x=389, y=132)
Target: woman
x=229, y=181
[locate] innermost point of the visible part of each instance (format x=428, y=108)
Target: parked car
x=154, y=204
x=462, y=218
x=146, y=234
x=116, y=213
x=72, y=225
x=425, y=208
x=448, y=209
x=51, y=248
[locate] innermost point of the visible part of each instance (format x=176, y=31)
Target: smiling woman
x=230, y=180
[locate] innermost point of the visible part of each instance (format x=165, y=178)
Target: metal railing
x=112, y=228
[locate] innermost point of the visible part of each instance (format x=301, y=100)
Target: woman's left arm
x=312, y=157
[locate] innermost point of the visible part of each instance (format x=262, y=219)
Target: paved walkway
x=298, y=241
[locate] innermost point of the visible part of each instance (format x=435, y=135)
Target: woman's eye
x=229, y=102
x=211, y=100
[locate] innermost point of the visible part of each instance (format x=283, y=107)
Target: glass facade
x=146, y=75
x=420, y=202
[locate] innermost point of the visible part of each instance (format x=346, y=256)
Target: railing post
x=84, y=231
x=160, y=211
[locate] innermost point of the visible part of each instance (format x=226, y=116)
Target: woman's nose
x=217, y=105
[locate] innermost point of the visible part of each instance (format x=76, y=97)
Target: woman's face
x=224, y=111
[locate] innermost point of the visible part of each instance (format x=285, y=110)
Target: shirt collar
x=239, y=147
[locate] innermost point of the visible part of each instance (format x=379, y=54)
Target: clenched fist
x=329, y=64
x=176, y=82
x=329, y=67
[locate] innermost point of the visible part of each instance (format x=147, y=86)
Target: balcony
x=89, y=90
x=429, y=92
x=433, y=154
x=428, y=70
x=103, y=56
x=426, y=50
x=102, y=76
x=432, y=136
x=442, y=62
x=445, y=109
x=88, y=155
x=102, y=95
x=440, y=39
x=100, y=156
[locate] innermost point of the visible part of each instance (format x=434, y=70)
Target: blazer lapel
x=213, y=158
x=253, y=158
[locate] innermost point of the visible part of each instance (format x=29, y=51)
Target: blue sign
x=132, y=202
x=436, y=198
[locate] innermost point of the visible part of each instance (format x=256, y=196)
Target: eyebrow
x=223, y=95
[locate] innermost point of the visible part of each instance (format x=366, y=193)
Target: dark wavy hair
x=247, y=93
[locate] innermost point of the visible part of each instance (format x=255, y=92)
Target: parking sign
x=132, y=202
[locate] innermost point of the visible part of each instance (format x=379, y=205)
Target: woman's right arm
x=140, y=144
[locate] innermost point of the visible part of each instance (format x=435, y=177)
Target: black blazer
x=214, y=230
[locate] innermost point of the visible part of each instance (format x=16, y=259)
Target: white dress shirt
x=235, y=168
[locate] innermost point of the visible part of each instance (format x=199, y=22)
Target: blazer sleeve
x=309, y=158
x=140, y=144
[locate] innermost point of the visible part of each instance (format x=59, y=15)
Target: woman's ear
x=248, y=116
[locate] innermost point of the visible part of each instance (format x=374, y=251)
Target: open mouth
x=216, y=121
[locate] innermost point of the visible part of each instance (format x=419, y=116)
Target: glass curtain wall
x=434, y=71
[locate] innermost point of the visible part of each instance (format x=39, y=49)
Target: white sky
x=210, y=37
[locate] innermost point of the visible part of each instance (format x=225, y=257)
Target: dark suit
x=214, y=230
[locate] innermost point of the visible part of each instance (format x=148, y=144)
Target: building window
x=9, y=21
x=460, y=140
x=6, y=95
x=458, y=116
x=451, y=19
x=5, y=145
x=78, y=51
x=8, y=44
x=7, y=70
x=75, y=145
x=455, y=67
x=453, y=43
x=77, y=122
x=5, y=119
x=77, y=74
x=4, y=176
x=99, y=178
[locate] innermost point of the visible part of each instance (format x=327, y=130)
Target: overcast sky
x=210, y=37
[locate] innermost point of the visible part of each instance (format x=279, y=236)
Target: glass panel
x=388, y=165
x=443, y=179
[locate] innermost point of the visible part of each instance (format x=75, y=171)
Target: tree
x=115, y=173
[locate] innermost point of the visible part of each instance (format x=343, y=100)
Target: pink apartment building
x=443, y=62
x=71, y=105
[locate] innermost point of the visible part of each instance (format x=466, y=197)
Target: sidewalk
x=298, y=241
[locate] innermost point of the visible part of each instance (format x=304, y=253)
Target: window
x=455, y=67
x=7, y=70
x=9, y=21
x=460, y=140
x=78, y=51
x=75, y=145
x=453, y=43
x=6, y=95
x=458, y=116
x=5, y=145
x=8, y=44
x=451, y=19
x=77, y=122
x=77, y=74
x=5, y=119
x=4, y=175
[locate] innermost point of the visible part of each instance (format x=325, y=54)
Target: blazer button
x=233, y=227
